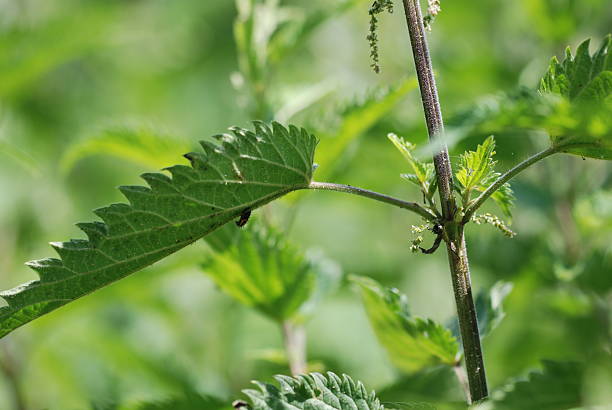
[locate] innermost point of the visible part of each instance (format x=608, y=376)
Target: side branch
x=411, y=206
x=505, y=178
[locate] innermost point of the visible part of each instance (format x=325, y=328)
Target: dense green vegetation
x=93, y=95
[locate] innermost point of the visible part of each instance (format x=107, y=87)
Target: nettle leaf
x=311, y=392
x=586, y=81
x=557, y=386
x=412, y=343
x=248, y=170
x=262, y=270
x=424, y=174
x=582, y=76
x=477, y=166
x=477, y=172
x=141, y=145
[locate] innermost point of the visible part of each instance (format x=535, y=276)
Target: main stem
x=454, y=234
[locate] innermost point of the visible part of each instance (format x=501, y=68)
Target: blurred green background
x=71, y=69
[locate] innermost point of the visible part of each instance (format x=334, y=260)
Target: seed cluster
x=378, y=7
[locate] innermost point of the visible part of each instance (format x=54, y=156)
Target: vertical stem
x=294, y=336
x=455, y=241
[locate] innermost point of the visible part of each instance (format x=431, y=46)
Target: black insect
x=244, y=218
x=239, y=404
x=437, y=229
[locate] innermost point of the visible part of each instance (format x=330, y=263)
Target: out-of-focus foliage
x=572, y=105
x=260, y=269
x=413, y=343
x=143, y=146
x=557, y=386
x=72, y=67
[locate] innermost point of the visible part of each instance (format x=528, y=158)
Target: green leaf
x=490, y=308
x=424, y=173
x=312, y=392
x=557, y=386
x=355, y=120
x=248, y=170
x=25, y=58
x=141, y=145
x=412, y=343
x=476, y=166
x=581, y=76
x=262, y=270
x=477, y=172
x=586, y=81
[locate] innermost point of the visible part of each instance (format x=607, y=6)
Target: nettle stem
x=454, y=234
x=411, y=206
x=294, y=337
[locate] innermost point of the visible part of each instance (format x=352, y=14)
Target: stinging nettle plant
x=248, y=169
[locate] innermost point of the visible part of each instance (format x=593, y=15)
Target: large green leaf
x=311, y=392
x=412, y=343
x=248, y=170
x=262, y=270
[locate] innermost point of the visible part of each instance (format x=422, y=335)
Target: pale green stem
x=411, y=206
x=294, y=337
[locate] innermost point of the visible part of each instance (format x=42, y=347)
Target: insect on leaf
x=248, y=170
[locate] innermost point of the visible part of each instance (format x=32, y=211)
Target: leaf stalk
x=411, y=206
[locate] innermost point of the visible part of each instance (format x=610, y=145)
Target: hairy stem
x=411, y=206
x=507, y=176
x=455, y=241
x=294, y=337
